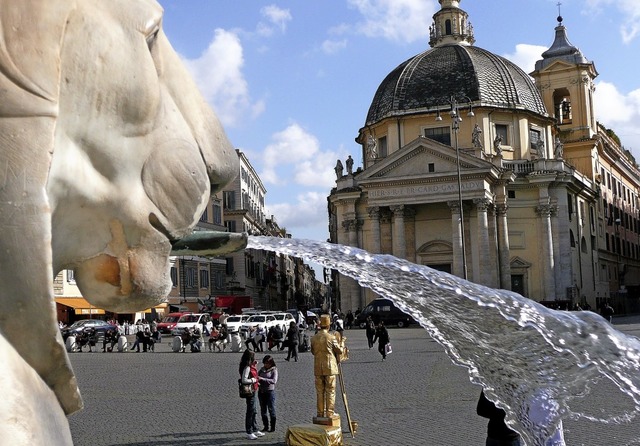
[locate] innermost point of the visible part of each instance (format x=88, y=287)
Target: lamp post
x=456, y=119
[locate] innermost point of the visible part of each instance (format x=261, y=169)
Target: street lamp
x=456, y=119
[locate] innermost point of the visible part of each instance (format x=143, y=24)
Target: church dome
x=429, y=79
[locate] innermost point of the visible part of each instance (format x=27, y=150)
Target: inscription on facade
x=423, y=189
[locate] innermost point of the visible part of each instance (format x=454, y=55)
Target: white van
x=189, y=320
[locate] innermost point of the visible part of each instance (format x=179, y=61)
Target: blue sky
x=292, y=81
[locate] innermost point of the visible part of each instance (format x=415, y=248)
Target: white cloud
x=397, y=20
x=630, y=9
x=276, y=16
x=294, y=156
x=619, y=112
x=309, y=209
x=526, y=56
x=218, y=73
x=333, y=46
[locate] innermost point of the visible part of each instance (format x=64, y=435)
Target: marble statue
x=339, y=169
x=475, y=136
x=497, y=144
x=108, y=156
x=349, y=163
x=326, y=350
x=372, y=147
x=558, y=149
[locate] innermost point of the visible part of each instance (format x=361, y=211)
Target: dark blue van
x=383, y=309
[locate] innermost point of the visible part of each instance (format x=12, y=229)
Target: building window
x=229, y=199
x=382, y=147
x=204, y=278
x=440, y=134
x=511, y=194
x=535, y=138
x=217, y=214
x=447, y=27
x=174, y=276
x=562, y=106
x=230, y=225
x=205, y=215
x=190, y=277
x=432, y=167
x=502, y=130
x=229, y=269
x=71, y=278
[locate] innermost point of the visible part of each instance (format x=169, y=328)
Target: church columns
x=484, y=254
x=353, y=297
x=503, y=247
x=546, y=244
x=399, y=242
x=374, y=215
x=351, y=227
x=456, y=239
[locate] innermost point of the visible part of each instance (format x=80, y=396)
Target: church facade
x=475, y=168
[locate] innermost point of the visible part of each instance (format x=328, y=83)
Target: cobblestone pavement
x=416, y=397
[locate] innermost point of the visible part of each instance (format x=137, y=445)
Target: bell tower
x=565, y=79
x=450, y=25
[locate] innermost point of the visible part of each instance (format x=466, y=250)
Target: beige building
x=471, y=167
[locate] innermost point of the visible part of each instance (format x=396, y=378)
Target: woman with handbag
x=249, y=375
x=382, y=336
x=268, y=377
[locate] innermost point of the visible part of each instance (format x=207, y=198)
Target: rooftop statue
x=108, y=156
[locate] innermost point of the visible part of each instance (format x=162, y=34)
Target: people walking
x=292, y=342
x=607, y=312
x=382, y=336
x=371, y=330
x=498, y=433
x=249, y=375
x=268, y=377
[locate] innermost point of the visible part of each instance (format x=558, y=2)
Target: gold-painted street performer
x=326, y=350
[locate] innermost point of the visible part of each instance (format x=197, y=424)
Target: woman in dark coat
x=292, y=342
x=382, y=336
x=371, y=330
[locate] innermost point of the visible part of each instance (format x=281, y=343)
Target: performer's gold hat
x=325, y=321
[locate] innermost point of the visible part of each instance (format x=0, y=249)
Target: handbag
x=245, y=390
x=387, y=349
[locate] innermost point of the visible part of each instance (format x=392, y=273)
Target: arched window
x=562, y=106
x=447, y=27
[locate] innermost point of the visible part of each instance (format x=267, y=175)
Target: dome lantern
x=450, y=25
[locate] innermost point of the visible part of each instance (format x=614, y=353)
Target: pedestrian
x=607, y=312
x=498, y=433
x=382, y=336
x=268, y=377
x=371, y=330
x=277, y=337
x=292, y=342
x=350, y=318
x=249, y=375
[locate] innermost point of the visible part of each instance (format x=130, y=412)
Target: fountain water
x=526, y=356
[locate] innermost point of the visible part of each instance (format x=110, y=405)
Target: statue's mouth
x=203, y=243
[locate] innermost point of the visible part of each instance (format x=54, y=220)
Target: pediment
x=413, y=161
x=558, y=65
x=518, y=262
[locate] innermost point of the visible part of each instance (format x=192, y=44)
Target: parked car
x=234, y=322
x=169, y=322
x=78, y=326
x=284, y=319
x=384, y=310
x=187, y=321
x=265, y=321
x=311, y=317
